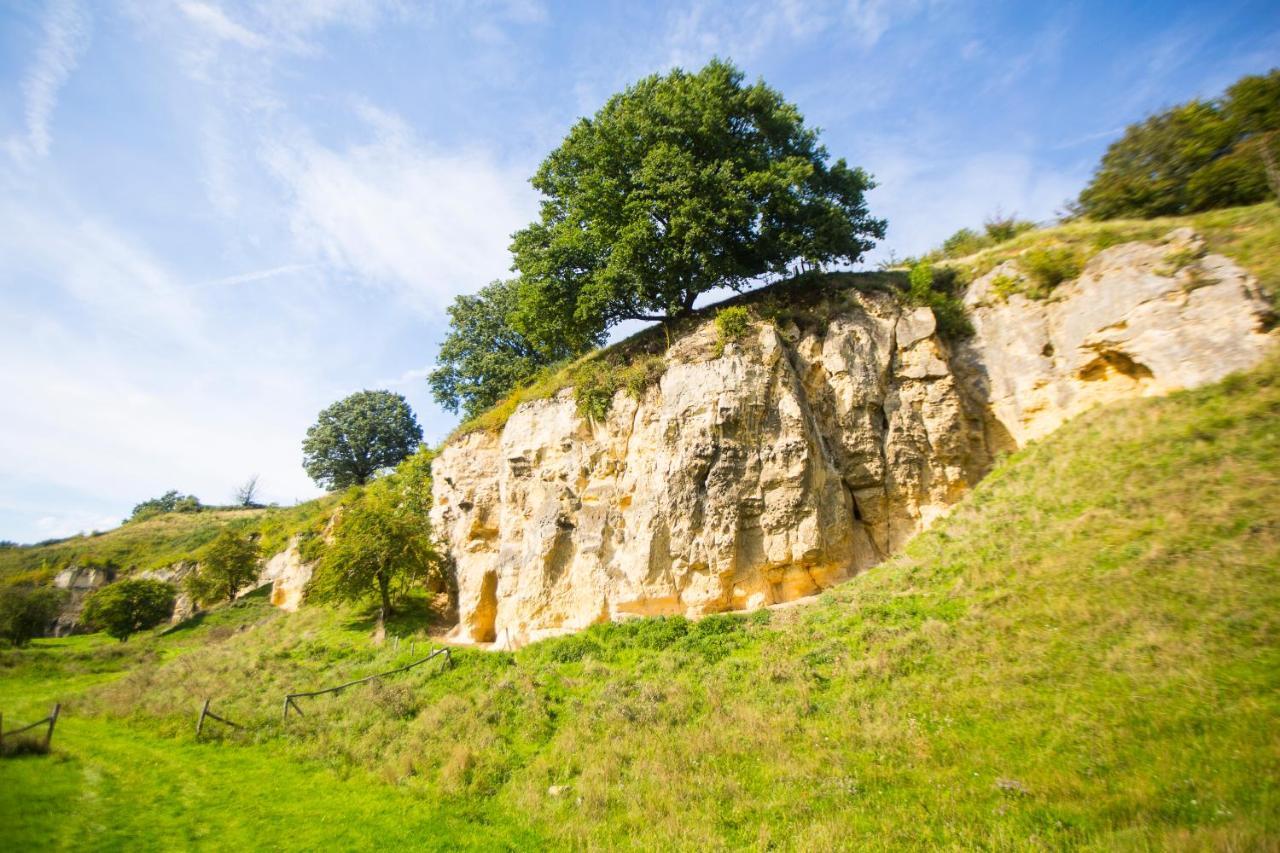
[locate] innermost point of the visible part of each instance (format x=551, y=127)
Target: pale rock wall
x=800, y=457
x=288, y=576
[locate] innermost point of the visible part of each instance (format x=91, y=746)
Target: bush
x=27, y=611
x=126, y=607
x=227, y=565
x=1049, y=266
x=939, y=291
x=732, y=324
x=594, y=384
x=1000, y=228
x=170, y=501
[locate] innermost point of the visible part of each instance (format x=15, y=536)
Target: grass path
x=112, y=787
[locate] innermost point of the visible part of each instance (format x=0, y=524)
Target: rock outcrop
x=805, y=453
x=79, y=582
x=288, y=576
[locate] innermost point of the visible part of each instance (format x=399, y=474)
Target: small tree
x=27, y=611
x=227, y=565
x=381, y=542
x=247, y=494
x=129, y=606
x=355, y=438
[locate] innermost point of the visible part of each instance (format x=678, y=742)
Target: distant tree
x=381, y=540
x=228, y=564
x=247, y=494
x=484, y=356
x=355, y=438
x=1196, y=156
x=27, y=611
x=680, y=184
x=170, y=501
x=126, y=607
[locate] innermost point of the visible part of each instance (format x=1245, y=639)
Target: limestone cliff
x=810, y=449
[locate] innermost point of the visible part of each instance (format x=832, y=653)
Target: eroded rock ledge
x=801, y=456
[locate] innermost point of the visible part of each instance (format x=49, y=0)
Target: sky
x=216, y=218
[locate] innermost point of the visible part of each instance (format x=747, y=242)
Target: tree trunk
x=384, y=590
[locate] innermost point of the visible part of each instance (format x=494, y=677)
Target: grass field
x=1084, y=655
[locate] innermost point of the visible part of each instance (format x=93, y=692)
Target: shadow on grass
x=417, y=614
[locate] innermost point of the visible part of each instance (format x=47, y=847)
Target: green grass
x=164, y=539
x=1084, y=655
x=1248, y=235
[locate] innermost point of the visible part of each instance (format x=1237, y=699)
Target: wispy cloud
x=397, y=214
x=65, y=35
x=218, y=24
x=257, y=275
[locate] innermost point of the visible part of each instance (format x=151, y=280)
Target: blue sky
x=218, y=217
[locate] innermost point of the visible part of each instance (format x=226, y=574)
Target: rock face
x=288, y=576
x=802, y=455
x=79, y=582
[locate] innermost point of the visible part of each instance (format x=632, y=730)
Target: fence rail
x=290, y=697
x=50, y=721
x=205, y=713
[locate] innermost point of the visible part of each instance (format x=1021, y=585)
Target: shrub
x=938, y=290
x=731, y=324
x=27, y=611
x=1049, y=266
x=170, y=501
x=594, y=384
x=227, y=565
x=1000, y=228
x=966, y=241
x=126, y=607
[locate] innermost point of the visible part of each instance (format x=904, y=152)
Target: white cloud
x=215, y=21
x=65, y=36
x=392, y=213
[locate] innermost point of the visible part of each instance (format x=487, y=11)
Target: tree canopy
x=227, y=565
x=1195, y=156
x=356, y=437
x=170, y=501
x=381, y=540
x=27, y=611
x=682, y=183
x=485, y=356
x=129, y=606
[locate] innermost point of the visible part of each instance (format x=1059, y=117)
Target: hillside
x=162, y=540
x=1084, y=653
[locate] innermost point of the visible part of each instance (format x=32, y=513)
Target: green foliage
x=170, y=501
x=1004, y=286
x=1196, y=156
x=680, y=184
x=26, y=612
x=359, y=436
x=1049, y=266
x=1000, y=228
x=381, y=542
x=484, y=357
x=732, y=324
x=227, y=565
x=594, y=384
x=596, y=380
x=939, y=289
x=126, y=607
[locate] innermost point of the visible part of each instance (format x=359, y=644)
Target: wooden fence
x=290, y=697
x=49, y=721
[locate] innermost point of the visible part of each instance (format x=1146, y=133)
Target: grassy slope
x=164, y=539
x=1084, y=654
x=1249, y=235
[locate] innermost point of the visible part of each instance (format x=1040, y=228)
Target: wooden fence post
x=53, y=719
x=200, y=722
